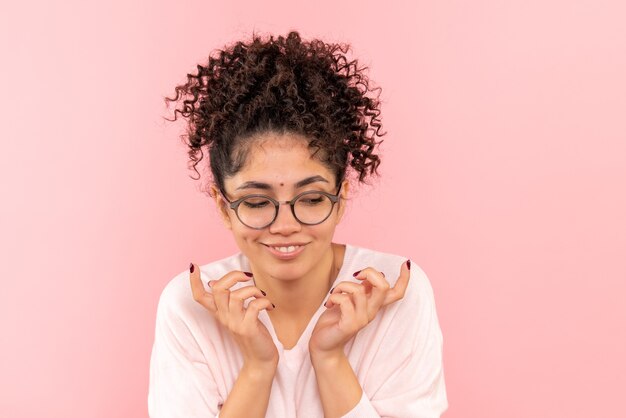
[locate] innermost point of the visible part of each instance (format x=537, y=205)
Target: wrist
x=259, y=372
x=330, y=359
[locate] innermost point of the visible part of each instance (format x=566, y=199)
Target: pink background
x=503, y=177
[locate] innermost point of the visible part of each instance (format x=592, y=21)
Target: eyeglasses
x=259, y=211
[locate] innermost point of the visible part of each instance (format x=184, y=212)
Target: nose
x=285, y=223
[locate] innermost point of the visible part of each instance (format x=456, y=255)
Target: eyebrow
x=265, y=186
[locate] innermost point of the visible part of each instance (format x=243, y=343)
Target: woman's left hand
x=348, y=312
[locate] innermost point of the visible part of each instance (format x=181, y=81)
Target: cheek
x=325, y=233
x=245, y=236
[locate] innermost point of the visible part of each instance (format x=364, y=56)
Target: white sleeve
x=181, y=383
x=412, y=385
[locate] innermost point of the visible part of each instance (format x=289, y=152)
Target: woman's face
x=279, y=162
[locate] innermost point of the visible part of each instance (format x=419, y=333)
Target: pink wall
x=503, y=177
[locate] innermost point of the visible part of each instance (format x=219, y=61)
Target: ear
x=221, y=205
x=345, y=189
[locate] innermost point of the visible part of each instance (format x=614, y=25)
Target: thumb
x=200, y=295
x=399, y=288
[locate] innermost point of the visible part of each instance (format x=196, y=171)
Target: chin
x=286, y=271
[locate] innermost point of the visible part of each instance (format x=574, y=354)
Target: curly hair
x=282, y=85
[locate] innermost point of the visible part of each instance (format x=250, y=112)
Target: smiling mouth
x=286, y=250
x=289, y=249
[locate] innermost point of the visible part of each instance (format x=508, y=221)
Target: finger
x=367, y=286
x=200, y=295
x=399, y=288
x=236, y=310
x=379, y=284
x=357, y=292
x=252, y=311
x=348, y=320
x=229, y=279
x=221, y=290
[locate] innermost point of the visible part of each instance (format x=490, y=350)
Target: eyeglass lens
x=310, y=208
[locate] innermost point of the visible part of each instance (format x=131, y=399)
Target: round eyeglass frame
x=234, y=205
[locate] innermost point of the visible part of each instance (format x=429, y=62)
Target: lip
x=285, y=244
x=283, y=256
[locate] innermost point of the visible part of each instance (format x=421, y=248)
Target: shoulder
x=419, y=296
x=176, y=296
x=390, y=265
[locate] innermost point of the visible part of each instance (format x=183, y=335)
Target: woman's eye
x=255, y=205
x=313, y=201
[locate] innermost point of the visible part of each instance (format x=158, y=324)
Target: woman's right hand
x=253, y=338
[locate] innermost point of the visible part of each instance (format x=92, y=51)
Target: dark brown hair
x=282, y=85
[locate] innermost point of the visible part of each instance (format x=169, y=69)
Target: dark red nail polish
x=190, y=267
x=355, y=273
x=325, y=303
x=247, y=273
x=210, y=283
x=382, y=273
x=273, y=306
x=408, y=264
x=264, y=294
x=331, y=290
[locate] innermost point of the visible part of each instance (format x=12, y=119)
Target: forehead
x=280, y=159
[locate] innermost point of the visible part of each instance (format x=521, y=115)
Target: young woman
x=293, y=325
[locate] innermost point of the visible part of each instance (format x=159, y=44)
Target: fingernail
x=273, y=306
x=325, y=303
x=247, y=273
x=210, y=283
x=264, y=294
x=355, y=273
x=408, y=264
x=331, y=290
x=190, y=267
x=382, y=273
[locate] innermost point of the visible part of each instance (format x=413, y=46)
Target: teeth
x=289, y=249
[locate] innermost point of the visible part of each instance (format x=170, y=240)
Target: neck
x=305, y=294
